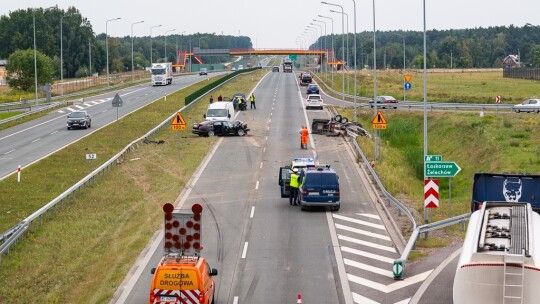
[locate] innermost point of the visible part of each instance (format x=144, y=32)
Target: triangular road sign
x=408, y=77
x=117, y=101
x=379, y=118
x=178, y=120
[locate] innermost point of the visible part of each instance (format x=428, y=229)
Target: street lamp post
x=151, y=41
x=132, y=62
x=355, y=59
x=35, y=56
x=333, y=56
x=320, y=44
x=181, y=33
x=325, y=47
x=107, y=45
x=167, y=58
x=375, y=84
x=62, y=54
x=347, y=55
x=425, y=102
x=342, y=48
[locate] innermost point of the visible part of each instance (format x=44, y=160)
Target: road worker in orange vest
x=304, y=137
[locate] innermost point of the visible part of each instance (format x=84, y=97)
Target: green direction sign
x=433, y=158
x=441, y=169
x=398, y=269
x=293, y=57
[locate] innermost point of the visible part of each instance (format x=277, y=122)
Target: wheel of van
x=211, y=133
x=241, y=132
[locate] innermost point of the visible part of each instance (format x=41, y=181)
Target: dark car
x=220, y=128
x=319, y=187
x=306, y=79
x=312, y=89
x=203, y=71
x=385, y=101
x=79, y=119
x=275, y=69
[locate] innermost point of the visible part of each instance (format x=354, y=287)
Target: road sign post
x=178, y=124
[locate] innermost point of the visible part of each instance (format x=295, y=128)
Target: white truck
x=162, y=73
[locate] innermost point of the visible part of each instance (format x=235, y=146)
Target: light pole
x=355, y=59
x=425, y=103
x=342, y=49
x=346, y=56
x=132, y=62
x=375, y=84
x=151, y=42
x=333, y=57
x=62, y=54
x=320, y=44
x=325, y=47
x=200, y=41
x=35, y=56
x=181, y=33
x=107, y=44
x=167, y=58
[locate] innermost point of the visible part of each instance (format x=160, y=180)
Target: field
x=459, y=86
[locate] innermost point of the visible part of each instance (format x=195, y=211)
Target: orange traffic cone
x=299, y=301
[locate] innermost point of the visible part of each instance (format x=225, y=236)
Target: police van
x=319, y=188
x=285, y=173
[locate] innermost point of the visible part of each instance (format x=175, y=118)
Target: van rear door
x=284, y=181
x=176, y=286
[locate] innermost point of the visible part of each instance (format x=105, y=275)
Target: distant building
x=3, y=72
x=511, y=61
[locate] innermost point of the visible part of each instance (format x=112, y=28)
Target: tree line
x=83, y=51
x=459, y=48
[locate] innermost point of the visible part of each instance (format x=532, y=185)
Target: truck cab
x=285, y=173
x=179, y=279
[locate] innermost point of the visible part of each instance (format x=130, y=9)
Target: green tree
x=534, y=56
x=20, y=69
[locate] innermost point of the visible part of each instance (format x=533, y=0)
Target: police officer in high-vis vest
x=252, y=100
x=294, y=187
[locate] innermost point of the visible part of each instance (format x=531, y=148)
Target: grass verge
x=85, y=251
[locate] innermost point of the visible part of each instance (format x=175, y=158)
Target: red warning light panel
x=183, y=230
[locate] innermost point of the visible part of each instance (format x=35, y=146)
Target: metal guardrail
x=11, y=236
x=399, y=264
x=420, y=104
x=39, y=109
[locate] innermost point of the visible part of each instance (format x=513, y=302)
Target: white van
x=221, y=110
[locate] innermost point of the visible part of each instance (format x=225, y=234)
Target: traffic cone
x=299, y=301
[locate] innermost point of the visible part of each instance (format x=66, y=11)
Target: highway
x=267, y=251
x=31, y=141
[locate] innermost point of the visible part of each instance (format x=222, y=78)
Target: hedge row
x=190, y=98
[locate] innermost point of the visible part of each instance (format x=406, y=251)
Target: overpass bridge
x=196, y=53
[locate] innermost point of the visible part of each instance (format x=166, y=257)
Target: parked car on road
x=79, y=119
x=314, y=101
x=220, y=128
x=385, y=101
x=275, y=69
x=529, y=105
x=312, y=89
x=203, y=71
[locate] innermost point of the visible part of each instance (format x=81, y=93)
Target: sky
x=281, y=23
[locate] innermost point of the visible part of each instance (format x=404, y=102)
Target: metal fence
x=13, y=235
x=522, y=73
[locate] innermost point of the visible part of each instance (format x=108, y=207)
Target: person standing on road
x=304, y=136
x=294, y=187
x=220, y=98
x=252, y=100
x=211, y=99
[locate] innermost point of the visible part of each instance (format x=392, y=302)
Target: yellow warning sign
x=178, y=122
x=379, y=122
x=408, y=77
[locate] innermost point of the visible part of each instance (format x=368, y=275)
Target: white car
x=314, y=101
x=529, y=105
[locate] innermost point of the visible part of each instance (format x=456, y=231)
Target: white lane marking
x=362, y=300
x=369, y=244
x=353, y=220
x=62, y=112
x=235, y=301
x=266, y=138
x=373, y=216
x=252, y=212
x=268, y=128
x=369, y=255
x=339, y=260
x=9, y=151
x=33, y=141
x=257, y=185
x=363, y=232
x=269, y=121
x=271, y=113
x=392, y=287
x=405, y=301
x=264, y=150
x=80, y=107
x=260, y=167
x=54, y=132
x=104, y=111
x=377, y=270
x=244, y=252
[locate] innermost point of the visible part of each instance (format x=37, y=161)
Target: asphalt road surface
x=267, y=251
x=31, y=141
